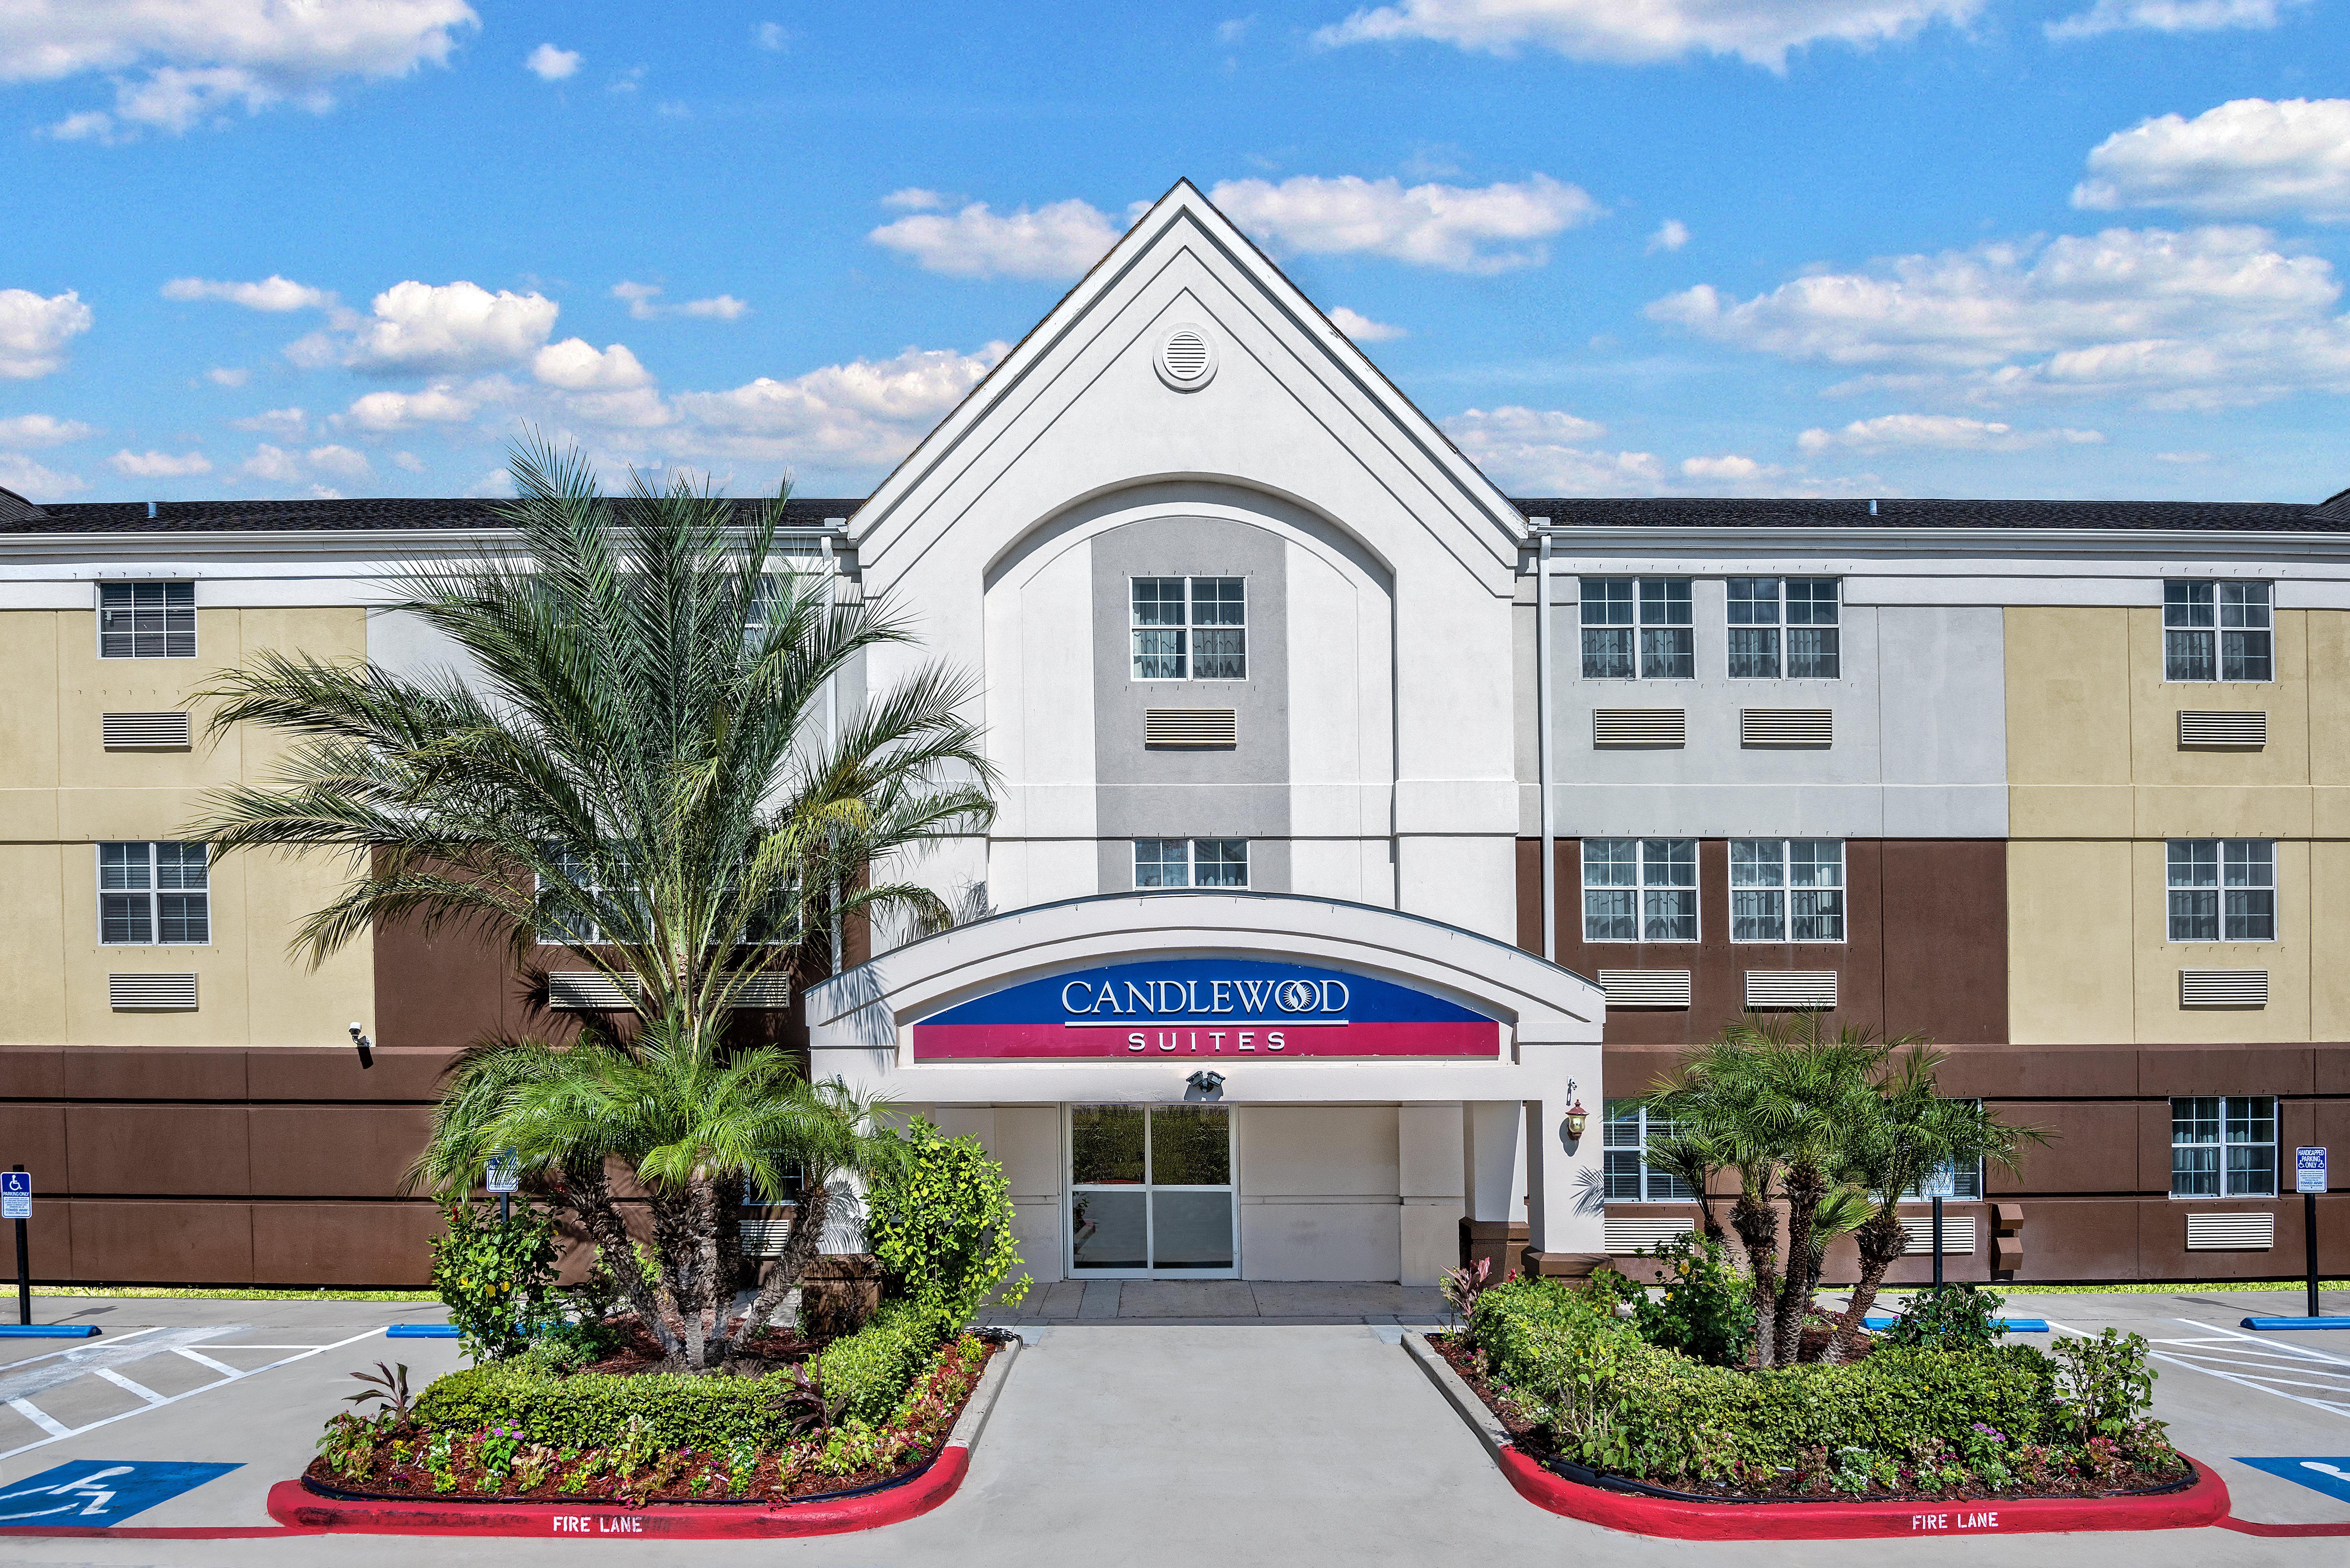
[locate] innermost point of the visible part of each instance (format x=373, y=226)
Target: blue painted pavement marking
x=1876, y=1321
x=421, y=1331
x=47, y=1330
x=89, y=1492
x=2329, y=1476
x=2271, y=1323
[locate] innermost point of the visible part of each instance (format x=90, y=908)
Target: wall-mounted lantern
x=1577, y=1118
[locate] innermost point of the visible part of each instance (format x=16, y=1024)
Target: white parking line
x=140, y=1389
x=201, y=1359
x=2252, y=1362
x=57, y=1431
x=8, y=1366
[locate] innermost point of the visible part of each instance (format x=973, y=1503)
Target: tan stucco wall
x=61, y=792
x=2098, y=784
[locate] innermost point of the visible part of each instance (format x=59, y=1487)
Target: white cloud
x=273, y=293
x=1540, y=451
x=1056, y=242
x=717, y=307
x=1946, y=432
x=772, y=36
x=1460, y=228
x=1670, y=236
x=639, y=297
x=1758, y=31
x=228, y=375
x=382, y=412
x=914, y=199
x=2246, y=157
x=1728, y=469
x=1229, y=33
x=287, y=424
x=424, y=328
x=864, y=413
x=2183, y=457
x=409, y=461
x=2169, y=17
x=341, y=462
x=35, y=482
x=574, y=366
x=177, y=63
x=273, y=465
x=25, y=432
x=2193, y=319
x=159, y=464
x=549, y=64
x=1362, y=328
x=643, y=299
x=34, y=331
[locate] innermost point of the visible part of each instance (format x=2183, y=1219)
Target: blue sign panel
x=1206, y=1007
x=2329, y=1476
x=89, y=1493
x=16, y=1195
x=2309, y=1170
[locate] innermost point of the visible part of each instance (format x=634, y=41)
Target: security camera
x=366, y=1046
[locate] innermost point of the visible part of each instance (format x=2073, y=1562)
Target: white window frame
x=1641, y=886
x=1783, y=626
x=1651, y=615
x=1187, y=654
x=152, y=891
x=2221, y=1143
x=2178, y=620
x=1192, y=857
x=1655, y=1186
x=1789, y=890
x=1069, y=1269
x=166, y=632
x=2224, y=851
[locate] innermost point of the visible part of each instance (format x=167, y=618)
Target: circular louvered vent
x=1186, y=359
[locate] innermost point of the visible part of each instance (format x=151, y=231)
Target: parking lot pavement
x=1149, y=1444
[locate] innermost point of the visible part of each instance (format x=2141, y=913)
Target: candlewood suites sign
x=1237, y=1008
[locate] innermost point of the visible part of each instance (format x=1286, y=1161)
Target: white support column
x=1494, y=1173
x=1562, y=1185
x=1430, y=1144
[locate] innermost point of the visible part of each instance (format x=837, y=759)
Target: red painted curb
x=2254, y=1527
x=293, y=1504
x=2203, y=1503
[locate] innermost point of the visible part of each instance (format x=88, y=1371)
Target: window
x=553, y=931
x=1639, y=890
x=1191, y=628
x=146, y=620
x=1625, y=1140
x=154, y=894
x=2223, y=1148
x=2223, y=890
x=1786, y=889
x=2216, y=631
x=1663, y=624
x=1191, y=862
x=1790, y=622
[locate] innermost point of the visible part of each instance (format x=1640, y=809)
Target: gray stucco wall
x=1243, y=793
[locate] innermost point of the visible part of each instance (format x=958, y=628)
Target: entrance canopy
x=1124, y=997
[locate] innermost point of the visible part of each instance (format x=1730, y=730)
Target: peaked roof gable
x=897, y=518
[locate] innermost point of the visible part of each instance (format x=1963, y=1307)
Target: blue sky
x=1924, y=247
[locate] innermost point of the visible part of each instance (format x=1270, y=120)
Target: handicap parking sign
x=96, y=1492
x=16, y=1195
x=2329, y=1476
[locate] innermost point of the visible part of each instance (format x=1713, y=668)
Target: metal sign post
x=2309, y=1180
x=16, y=1203
x=1938, y=1241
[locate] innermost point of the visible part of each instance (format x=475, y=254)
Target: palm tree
x=1911, y=1135
x=631, y=774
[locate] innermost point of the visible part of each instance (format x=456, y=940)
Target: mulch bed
x=696, y=1477
x=774, y=1349
x=1534, y=1439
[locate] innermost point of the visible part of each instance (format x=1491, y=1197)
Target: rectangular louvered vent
x=151, y=993
x=1626, y=727
x=765, y=991
x=1788, y=988
x=1645, y=987
x=1190, y=727
x=585, y=990
x=1786, y=728
x=2231, y=1232
x=2224, y=730
x=126, y=732
x=2223, y=988
x=1958, y=1234
x=1625, y=1236
x=764, y=1231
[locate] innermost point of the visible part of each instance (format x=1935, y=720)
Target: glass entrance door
x=1150, y=1192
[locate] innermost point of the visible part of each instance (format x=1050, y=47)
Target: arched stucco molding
x=1224, y=498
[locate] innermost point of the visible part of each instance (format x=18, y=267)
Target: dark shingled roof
x=2331, y=515
x=303, y=516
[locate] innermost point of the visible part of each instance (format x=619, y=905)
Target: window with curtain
x=1639, y=890
x=1785, y=627
x=2223, y=1146
x=2216, y=631
x=1787, y=891
x=1625, y=1137
x=1637, y=627
x=2222, y=890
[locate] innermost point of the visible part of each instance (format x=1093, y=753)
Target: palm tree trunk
x=730, y=1243
x=673, y=1294
x=712, y=1295
x=1804, y=1190
x=1757, y=1224
x=590, y=1196
x=799, y=1250
x=1882, y=1240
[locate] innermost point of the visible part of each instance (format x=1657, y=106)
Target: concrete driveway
x=1230, y=1443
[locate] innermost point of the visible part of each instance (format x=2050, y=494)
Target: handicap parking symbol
x=98, y=1492
x=2329, y=1476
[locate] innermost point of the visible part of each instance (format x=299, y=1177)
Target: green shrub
x=1616, y=1402
x=1956, y=1317
x=496, y=1278
x=2106, y=1383
x=1701, y=1307
x=866, y=1374
x=940, y=1221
